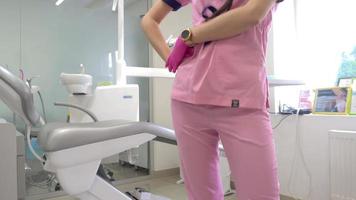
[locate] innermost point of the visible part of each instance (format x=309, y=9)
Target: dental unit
x=73, y=151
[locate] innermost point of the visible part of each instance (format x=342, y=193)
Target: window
x=314, y=41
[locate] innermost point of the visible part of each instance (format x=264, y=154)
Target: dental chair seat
x=74, y=152
x=59, y=136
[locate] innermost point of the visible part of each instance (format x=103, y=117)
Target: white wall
x=314, y=132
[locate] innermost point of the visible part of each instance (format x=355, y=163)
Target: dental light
x=114, y=5
x=59, y=2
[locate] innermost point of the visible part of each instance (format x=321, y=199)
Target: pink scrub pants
x=246, y=135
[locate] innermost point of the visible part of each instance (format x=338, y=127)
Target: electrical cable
x=28, y=137
x=280, y=121
x=31, y=182
x=43, y=107
x=51, y=178
x=43, y=184
x=300, y=144
x=294, y=162
x=38, y=186
x=298, y=149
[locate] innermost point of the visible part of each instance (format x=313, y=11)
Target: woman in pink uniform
x=221, y=93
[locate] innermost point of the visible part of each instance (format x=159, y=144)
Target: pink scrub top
x=229, y=72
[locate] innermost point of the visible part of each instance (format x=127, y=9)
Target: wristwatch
x=187, y=35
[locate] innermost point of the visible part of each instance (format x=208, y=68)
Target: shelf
x=277, y=81
x=148, y=72
x=164, y=73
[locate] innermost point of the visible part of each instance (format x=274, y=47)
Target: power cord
x=28, y=137
x=280, y=121
x=43, y=107
x=285, y=109
x=289, y=111
x=298, y=149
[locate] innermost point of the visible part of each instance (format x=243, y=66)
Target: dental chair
x=74, y=151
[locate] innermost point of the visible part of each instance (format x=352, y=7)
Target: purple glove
x=178, y=54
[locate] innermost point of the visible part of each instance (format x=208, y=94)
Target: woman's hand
x=180, y=52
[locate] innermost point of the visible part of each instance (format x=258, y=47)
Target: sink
x=77, y=84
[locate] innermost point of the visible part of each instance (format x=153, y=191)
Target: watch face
x=185, y=34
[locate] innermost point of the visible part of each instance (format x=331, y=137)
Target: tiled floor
x=165, y=186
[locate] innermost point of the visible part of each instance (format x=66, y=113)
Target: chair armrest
x=88, y=112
